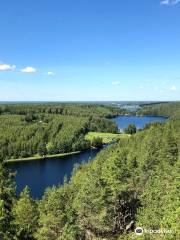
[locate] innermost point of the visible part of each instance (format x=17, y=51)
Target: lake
x=139, y=121
x=39, y=174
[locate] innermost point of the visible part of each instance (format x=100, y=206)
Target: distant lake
x=40, y=174
x=139, y=121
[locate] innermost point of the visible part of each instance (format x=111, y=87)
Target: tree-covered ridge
x=134, y=182
x=75, y=109
x=23, y=136
x=170, y=109
x=28, y=130
x=131, y=183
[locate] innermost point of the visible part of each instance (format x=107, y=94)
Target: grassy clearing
x=37, y=157
x=106, y=137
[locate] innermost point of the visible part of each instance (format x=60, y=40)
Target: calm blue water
x=139, y=121
x=40, y=174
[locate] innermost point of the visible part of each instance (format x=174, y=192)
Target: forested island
x=132, y=183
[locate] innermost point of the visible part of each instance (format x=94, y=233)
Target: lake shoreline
x=61, y=155
x=50, y=170
x=34, y=158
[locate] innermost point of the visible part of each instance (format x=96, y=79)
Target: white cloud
x=165, y=2
x=6, y=67
x=173, y=88
x=170, y=2
x=29, y=70
x=141, y=86
x=50, y=73
x=115, y=83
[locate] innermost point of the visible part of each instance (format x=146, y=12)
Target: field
x=106, y=137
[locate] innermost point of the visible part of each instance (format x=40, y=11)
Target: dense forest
x=132, y=183
x=165, y=109
x=27, y=130
x=74, y=109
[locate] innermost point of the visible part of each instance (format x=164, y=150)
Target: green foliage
x=25, y=214
x=41, y=149
x=171, y=109
x=7, y=195
x=102, y=125
x=84, y=110
x=32, y=130
x=48, y=134
x=97, y=142
x=57, y=218
x=131, y=129
x=103, y=200
x=134, y=182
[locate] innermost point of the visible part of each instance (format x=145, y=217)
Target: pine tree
x=25, y=215
x=7, y=195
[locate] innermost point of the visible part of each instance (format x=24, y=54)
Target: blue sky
x=89, y=50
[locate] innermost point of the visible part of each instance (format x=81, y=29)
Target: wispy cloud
x=169, y=2
x=6, y=67
x=115, y=83
x=29, y=70
x=50, y=73
x=173, y=88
